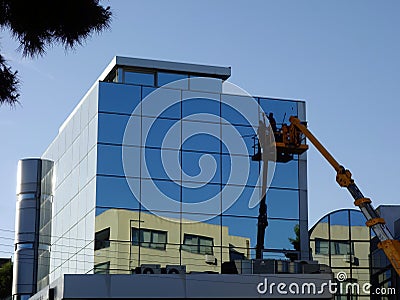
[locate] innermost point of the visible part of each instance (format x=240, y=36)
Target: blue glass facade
x=117, y=155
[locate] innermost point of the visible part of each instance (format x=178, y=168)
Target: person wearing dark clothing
x=272, y=122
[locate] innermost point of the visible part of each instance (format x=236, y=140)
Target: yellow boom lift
x=290, y=140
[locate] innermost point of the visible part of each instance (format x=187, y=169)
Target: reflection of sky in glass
x=189, y=157
x=282, y=110
x=340, y=218
x=118, y=98
x=139, y=78
x=201, y=142
x=115, y=192
x=165, y=78
x=357, y=218
x=199, y=106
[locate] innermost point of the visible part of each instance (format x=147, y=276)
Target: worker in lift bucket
x=272, y=122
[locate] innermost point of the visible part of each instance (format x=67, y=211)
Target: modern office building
x=148, y=170
x=341, y=240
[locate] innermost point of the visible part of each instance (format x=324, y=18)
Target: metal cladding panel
x=23, y=271
x=28, y=175
x=79, y=286
x=25, y=221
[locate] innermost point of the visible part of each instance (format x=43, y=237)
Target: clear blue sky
x=342, y=57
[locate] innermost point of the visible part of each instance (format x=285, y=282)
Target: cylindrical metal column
x=27, y=222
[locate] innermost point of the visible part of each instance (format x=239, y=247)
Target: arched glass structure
x=342, y=241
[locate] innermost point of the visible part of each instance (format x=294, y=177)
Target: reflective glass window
x=341, y=247
x=102, y=268
x=160, y=195
x=139, y=78
x=102, y=239
x=118, y=98
x=339, y=225
x=321, y=246
x=149, y=238
x=115, y=192
x=110, y=162
x=321, y=229
x=281, y=234
x=201, y=167
x=201, y=137
x=200, y=106
x=239, y=140
x=161, y=164
x=239, y=110
x=198, y=244
x=200, y=109
x=161, y=103
x=283, y=203
x=242, y=232
x=240, y=170
x=282, y=110
x=205, y=84
x=286, y=175
x=112, y=128
x=359, y=231
x=171, y=78
x=195, y=193
x=240, y=200
x=161, y=133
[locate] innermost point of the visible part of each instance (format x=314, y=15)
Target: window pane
x=201, y=167
x=282, y=203
x=201, y=137
x=240, y=170
x=282, y=110
x=109, y=160
x=115, y=192
x=161, y=164
x=160, y=195
x=359, y=231
x=281, y=234
x=205, y=84
x=241, y=134
x=145, y=236
x=242, y=232
x=320, y=230
x=239, y=110
x=159, y=133
x=139, y=78
x=103, y=268
x=118, y=98
x=135, y=236
x=240, y=201
x=168, y=104
x=195, y=193
x=321, y=247
x=339, y=225
x=286, y=175
x=112, y=128
x=200, y=106
x=168, y=78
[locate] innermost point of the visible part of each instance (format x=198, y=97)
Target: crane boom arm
x=388, y=244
